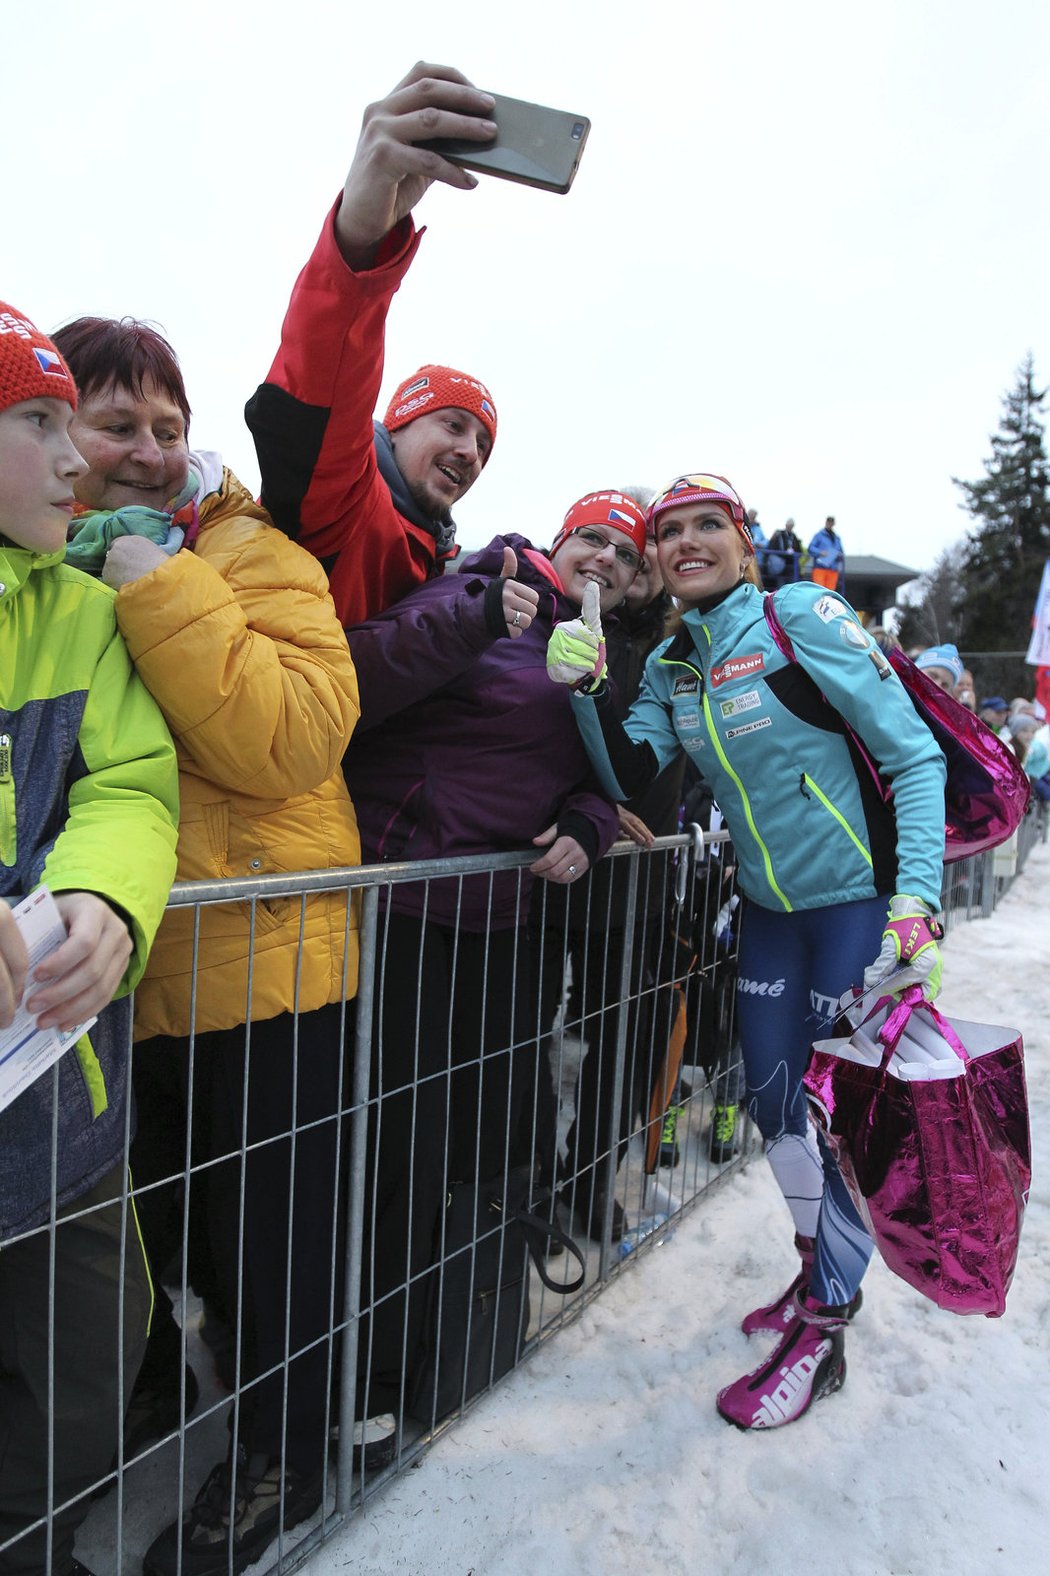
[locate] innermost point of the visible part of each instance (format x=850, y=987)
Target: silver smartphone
x=534, y=145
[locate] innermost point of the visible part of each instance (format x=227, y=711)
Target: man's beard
x=425, y=501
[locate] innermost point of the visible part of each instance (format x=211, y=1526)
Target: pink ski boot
x=808, y=1364
x=774, y=1318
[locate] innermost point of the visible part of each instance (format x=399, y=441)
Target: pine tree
x=1005, y=553
x=931, y=616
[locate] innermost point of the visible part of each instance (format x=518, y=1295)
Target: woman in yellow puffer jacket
x=239, y=642
x=232, y=628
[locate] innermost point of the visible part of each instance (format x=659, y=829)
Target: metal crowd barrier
x=620, y=991
x=781, y=566
x=973, y=888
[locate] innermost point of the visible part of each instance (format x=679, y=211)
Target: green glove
x=576, y=650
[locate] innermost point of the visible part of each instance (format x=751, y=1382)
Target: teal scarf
x=92, y=534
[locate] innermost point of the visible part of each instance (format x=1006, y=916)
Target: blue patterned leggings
x=793, y=969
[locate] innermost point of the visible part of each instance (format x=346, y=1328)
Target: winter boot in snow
x=722, y=1142
x=669, y=1154
x=775, y=1317
x=808, y=1364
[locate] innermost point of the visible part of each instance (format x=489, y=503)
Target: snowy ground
x=604, y=1454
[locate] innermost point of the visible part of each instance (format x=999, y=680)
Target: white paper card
x=25, y=1050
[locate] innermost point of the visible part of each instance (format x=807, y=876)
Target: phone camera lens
x=577, y=131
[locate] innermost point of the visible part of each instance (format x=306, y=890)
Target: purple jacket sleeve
x=418, y=645
x=592, y=819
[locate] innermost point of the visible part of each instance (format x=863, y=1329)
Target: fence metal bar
x=697, y=885
x=355, y=1208
x=612, y=1135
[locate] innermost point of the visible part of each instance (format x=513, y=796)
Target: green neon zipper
x=8, y=824
x=745, y=801
x=807, y=782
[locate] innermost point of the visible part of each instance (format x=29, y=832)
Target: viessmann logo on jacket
x=737, y=668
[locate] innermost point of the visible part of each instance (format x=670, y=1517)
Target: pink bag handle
x=911, y=1001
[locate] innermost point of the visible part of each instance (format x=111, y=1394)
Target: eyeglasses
x=624, y=555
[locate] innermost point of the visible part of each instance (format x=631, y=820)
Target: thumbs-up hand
x=576, y=650
x=592, y=617
x=519, y=601
x=592, y=607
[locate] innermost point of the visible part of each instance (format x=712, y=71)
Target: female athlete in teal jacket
x=820, y=846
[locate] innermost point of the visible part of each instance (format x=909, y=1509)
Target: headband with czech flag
x=706, y=487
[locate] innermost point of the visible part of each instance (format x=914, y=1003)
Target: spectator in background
x=884, y=639
x=829, y=561
x=994, y=711
x=232, y=629
x=373, y=500
x=784, y=557
x=758, y=536
x=1031, y=751
x=943, y=665
x=965, y=692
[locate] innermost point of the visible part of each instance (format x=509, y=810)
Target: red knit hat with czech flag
x=702, y=487
x=440, y=388
x=612, y=511
x=30, y=366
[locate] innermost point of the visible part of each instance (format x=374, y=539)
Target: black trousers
x=452, y=1017
x=606, y=1111
x=92, y=1300
x=266, y=1129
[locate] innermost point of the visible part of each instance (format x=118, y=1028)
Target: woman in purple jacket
x=464, y=747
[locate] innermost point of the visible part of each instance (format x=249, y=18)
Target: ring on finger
x=572, y=870
x=516, y=620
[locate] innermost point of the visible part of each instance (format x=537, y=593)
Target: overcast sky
x=807, y=245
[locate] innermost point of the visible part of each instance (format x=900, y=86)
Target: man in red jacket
x=371, y=500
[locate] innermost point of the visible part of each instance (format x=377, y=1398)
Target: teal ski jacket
x=809, y=818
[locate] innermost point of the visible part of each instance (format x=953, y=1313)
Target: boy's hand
x=14, y=961
x=81, y=976
x=130, y=558
x=390, y=173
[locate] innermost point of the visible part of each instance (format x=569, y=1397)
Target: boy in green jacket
x=88, y=809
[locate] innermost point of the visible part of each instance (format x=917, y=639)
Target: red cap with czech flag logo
x=30, y=366
x=440, y=388
x=702, y=487
x=610, y=510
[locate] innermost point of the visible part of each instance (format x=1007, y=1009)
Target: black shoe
x=669, y=1155
x=597, y=1216
x=257, y=1518
x=375, y=1442
x=723, y=1144
x=153, y=1411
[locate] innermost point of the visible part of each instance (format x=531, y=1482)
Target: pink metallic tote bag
x=927, y=1118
